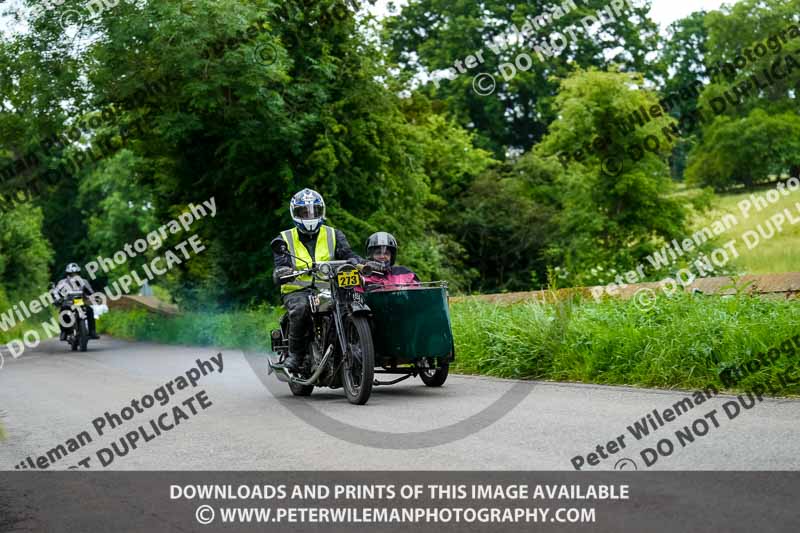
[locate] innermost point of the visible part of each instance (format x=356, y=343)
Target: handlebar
x=318, y=267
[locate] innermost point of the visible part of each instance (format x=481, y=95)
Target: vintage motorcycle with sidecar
x=360, y=331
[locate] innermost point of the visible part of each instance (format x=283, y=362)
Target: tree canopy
x=114, y=123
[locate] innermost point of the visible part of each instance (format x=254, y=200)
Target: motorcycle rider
x=73, y=282
x=310, y=238
x=382, y=248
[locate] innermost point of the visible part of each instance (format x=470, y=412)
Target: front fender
x=359, y=308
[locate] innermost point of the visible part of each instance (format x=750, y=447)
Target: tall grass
x=682, y=342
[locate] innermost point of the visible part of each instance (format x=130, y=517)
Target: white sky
x=664, y=11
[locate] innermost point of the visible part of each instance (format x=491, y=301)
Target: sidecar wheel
x=358, y=370
x=301, y=390
x=437, y=377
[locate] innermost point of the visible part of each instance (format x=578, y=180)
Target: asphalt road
x=49, y=395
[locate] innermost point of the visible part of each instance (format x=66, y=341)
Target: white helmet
x=73, y=268
x=308, y=211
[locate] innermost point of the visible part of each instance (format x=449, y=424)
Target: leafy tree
x=506, y=220
x=432, y=35
x=613, y=214
x=749, y=38
x=744, y=150
x=682, y=56
x=117, y=210
x=248, y=103
x=24, y=253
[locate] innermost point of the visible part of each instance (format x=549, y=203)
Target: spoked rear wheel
x=358, y=370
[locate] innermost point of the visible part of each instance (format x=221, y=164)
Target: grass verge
x=241, y=330
x=682, y=342
x=19, y=330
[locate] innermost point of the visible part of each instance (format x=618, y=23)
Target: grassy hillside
x=781, y=253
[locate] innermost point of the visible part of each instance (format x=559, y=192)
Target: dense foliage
x=24, y=254
x=110, y=125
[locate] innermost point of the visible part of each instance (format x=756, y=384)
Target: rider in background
x=382, y=248
x=75, y=283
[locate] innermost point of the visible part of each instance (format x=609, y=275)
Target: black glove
x=280, y=273
x=375, y=266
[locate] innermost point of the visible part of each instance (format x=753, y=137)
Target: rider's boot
x=294, y=361
x=63, y=335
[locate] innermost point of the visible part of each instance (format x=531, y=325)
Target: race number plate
x=348, y=279
x=77, y=301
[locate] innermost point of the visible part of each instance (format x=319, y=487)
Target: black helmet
x=381, y=239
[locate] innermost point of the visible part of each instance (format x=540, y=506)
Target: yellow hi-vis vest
x=324, y=250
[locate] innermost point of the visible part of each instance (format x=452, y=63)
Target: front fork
x=356, y=308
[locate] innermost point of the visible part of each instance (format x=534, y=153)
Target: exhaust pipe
x=313, y=379
x=284, y=376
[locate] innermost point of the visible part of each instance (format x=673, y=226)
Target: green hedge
x=682, y=342
x=244, y=329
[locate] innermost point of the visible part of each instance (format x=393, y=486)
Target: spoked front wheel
x=301, y=390
x=83, y=334
x=358, y=370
